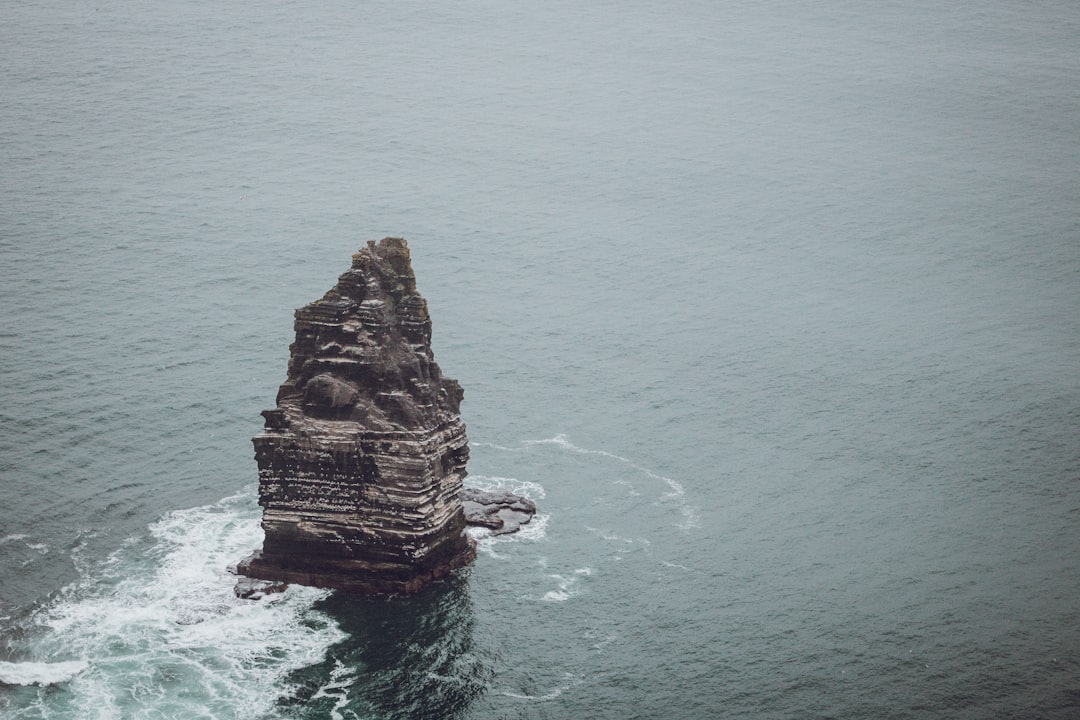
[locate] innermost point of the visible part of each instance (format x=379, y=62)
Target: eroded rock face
x=361, y=462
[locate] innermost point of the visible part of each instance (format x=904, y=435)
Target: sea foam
x=674, y=493
x=40, y=673
x=533, y=531
x=165, y=632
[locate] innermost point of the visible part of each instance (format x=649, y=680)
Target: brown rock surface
x=361, y=462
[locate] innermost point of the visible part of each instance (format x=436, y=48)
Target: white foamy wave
x=36, y=547
x=533, y=491
x=494, y=446
x=561, y=441
x=165, y=629
x=40, y=673
x=567, y=586
x=675, y=492
x=534, y=531
x=690, y=518
x=570, y=681
x=484, y=546
x=677, y=489
x=337, y=688
x=610, y=537
x=602, y=641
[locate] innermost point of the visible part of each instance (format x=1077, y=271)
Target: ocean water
x=773, y=308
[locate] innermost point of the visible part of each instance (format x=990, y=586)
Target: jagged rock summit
x=362, y=460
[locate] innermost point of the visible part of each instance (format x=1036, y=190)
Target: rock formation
x=500, y=511
x=362, y=460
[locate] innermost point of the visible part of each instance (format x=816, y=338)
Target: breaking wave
x=569, y=681
x=674, y=492
x=40, y=673
x=533, y=531
x=158, y=631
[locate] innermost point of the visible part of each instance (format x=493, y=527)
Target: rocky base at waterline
x=500, y=511
x=251, y=589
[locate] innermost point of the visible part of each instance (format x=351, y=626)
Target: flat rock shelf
x=500, y=511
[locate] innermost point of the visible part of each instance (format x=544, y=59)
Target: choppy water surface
x=773, y=308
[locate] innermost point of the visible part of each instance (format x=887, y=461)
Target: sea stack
x=361, y=462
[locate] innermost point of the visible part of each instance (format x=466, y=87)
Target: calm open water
x=773, y=307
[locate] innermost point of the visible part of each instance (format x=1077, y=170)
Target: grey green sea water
x=772, y=307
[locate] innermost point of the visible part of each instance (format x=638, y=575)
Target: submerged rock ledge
x=500, y=511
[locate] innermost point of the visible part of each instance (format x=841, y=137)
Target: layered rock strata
x=361, y=462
